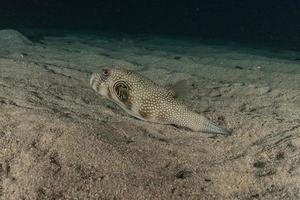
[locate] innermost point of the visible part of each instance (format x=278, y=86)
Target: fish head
x=111, y=83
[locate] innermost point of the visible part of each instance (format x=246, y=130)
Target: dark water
x=273, y=23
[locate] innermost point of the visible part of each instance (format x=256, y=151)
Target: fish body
x=148, y=101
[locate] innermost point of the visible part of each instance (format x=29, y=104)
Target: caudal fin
x=213, y=128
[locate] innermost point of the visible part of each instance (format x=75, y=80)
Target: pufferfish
x=148, y=101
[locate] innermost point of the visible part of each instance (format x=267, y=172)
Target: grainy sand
x=60, y=140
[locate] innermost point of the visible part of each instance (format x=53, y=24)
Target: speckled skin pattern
x=146, y=100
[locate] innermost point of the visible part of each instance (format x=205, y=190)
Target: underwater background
x=237, y=63
x=270, y=22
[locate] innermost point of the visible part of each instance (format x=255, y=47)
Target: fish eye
x=105, y=72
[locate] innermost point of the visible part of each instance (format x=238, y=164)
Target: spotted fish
x=146, y=100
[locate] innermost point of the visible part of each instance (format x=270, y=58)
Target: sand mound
x=12, y=39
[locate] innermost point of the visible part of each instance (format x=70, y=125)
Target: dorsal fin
x=171, y=93
x=180, y=88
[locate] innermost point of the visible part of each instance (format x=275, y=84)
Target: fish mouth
x=94, y=81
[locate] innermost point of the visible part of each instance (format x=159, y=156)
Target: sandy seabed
x=60, y=140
